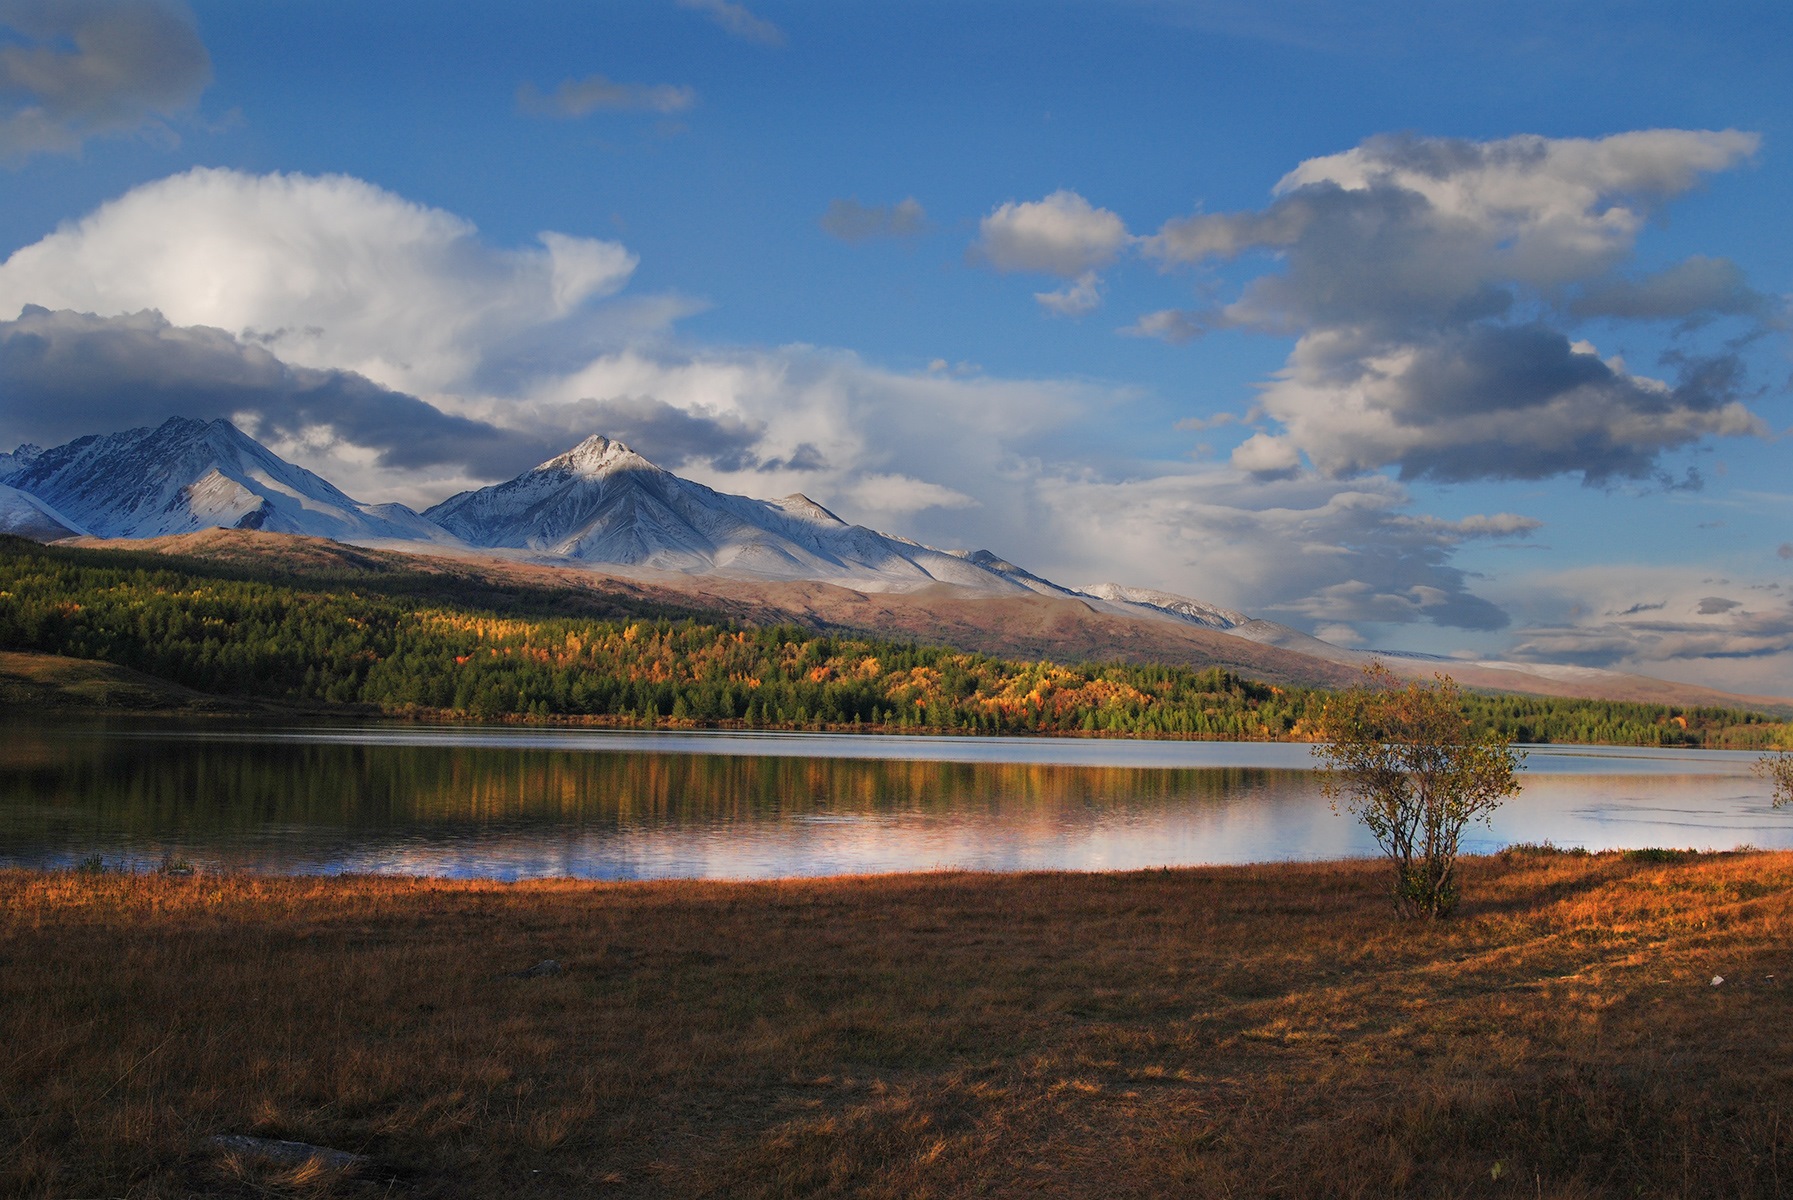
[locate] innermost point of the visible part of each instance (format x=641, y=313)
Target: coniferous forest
x=413, y=644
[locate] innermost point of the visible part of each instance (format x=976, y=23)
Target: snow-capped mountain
x=24, y=515
x=18, y=460
x=1009, y=571
x=601, y=502
x=186, y=475
x=1181, y=608
x=602, y=505
x=1168, y=606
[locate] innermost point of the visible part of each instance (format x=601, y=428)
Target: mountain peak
x=596, y=455
x=218, y=434
x=17, y=461
x=798, y=505
x=187, y=474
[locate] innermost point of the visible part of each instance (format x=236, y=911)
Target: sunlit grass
x=1228, y=1031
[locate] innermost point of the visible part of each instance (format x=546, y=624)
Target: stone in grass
x=547, y=966
x=287, y=1154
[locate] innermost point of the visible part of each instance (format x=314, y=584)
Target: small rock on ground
x=294, y=1153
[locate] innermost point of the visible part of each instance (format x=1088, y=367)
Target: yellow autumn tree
x=1403, y=759
x=1776, y=767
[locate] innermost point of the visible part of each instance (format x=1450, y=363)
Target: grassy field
x=1264, y=1031
x=44, y=683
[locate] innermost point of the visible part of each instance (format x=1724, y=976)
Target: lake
x=514, y=803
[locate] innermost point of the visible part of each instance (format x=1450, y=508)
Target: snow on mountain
x=24, y=515
x=601, y=502
x=1008, y=570
x=1147, y=602
x=186, y=475
x=18, y=460
x=1269, y=633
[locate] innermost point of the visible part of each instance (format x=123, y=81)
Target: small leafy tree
x=1776, y=767
x=1405, y=763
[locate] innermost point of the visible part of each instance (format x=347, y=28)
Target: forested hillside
x=414, y=644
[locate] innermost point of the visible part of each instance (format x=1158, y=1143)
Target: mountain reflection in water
x=529, y=805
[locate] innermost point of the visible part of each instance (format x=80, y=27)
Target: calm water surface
x=516, y=804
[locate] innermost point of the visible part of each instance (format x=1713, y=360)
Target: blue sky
x=1502, y=369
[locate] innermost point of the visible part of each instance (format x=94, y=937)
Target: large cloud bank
x=1427, y=281
x=65, y=374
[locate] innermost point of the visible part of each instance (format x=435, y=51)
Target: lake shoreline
x=504, y=802
x=1567, y=1034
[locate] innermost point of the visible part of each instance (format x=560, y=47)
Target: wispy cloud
x=1081, y=295
x=595, y=93
x=1651, y=619
x=851, y=221
x=738, y=21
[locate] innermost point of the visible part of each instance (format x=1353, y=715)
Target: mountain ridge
x=1063, y=629
x=600, y=507
x=601, y=502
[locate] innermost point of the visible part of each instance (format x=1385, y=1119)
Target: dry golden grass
x=1266, y=1031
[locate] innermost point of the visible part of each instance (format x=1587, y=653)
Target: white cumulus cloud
x=1060, y=235
x=1426, y=281
x=325, y=271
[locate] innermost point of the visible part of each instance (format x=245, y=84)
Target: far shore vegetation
x=1587, y=1025
x=411, y=644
